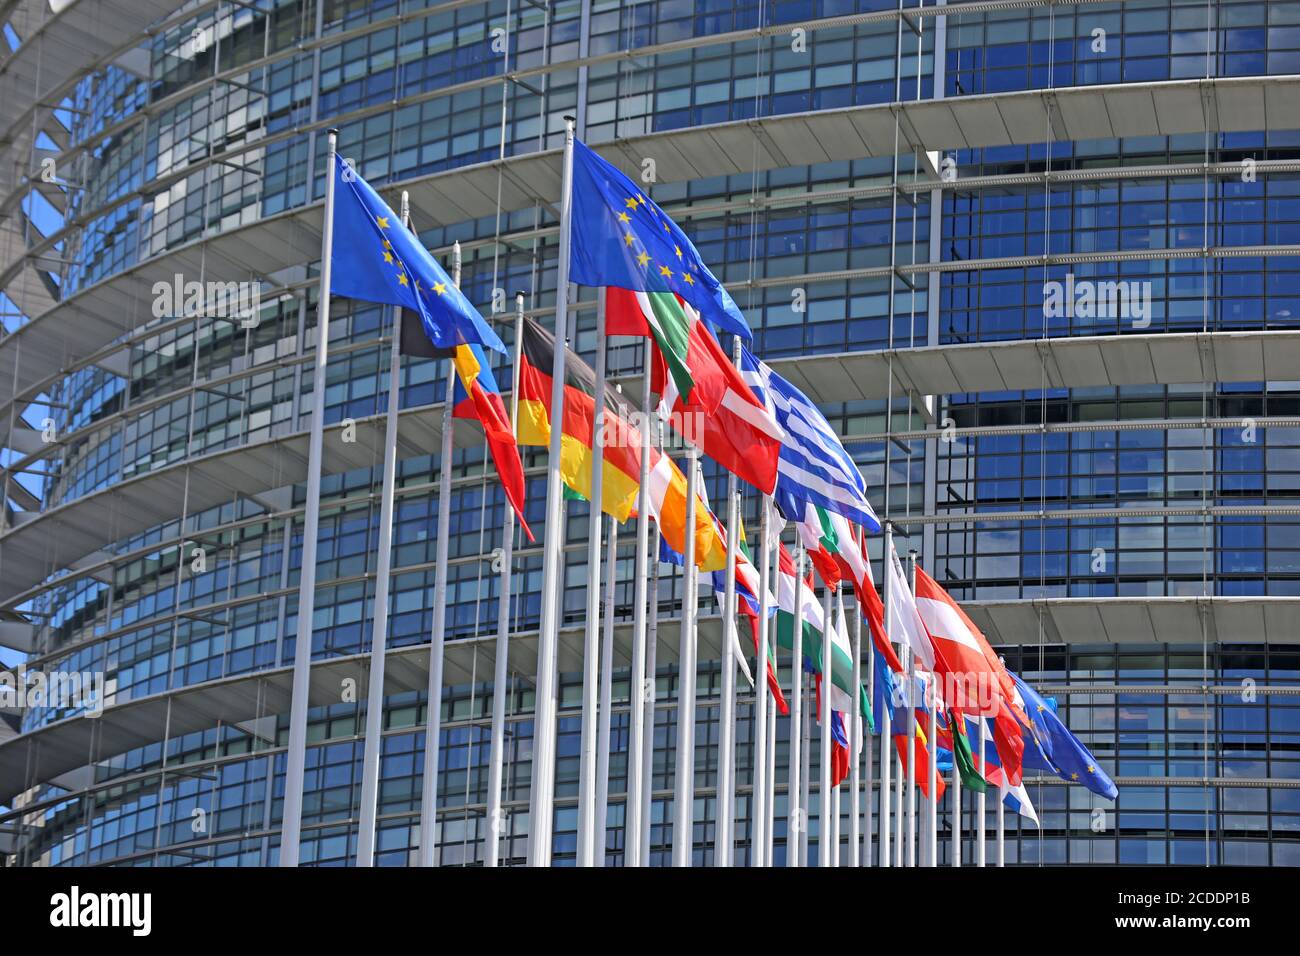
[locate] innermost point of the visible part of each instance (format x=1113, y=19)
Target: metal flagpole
x=606, y=693
x=758, y=829
x=724, y=841
x=438, y=640
x=900, y=781
x=805, y=778
x=886, y=728
x=296, y=759
x=911, y=735
x=835, y=826
x=501, y=678
x=769, y=793
x=979, y=798
x=855, y=755
x=824, y=828
x=542, y=802
x=795, y=825
x=687, y=677
x=648, y=708
x=1002, y=831
x=869, y=780
x=931, y=748
x=636, y=737
x=379, y=629
x=956, y=815
x=591, y=643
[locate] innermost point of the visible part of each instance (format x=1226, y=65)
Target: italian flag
x=703, y=395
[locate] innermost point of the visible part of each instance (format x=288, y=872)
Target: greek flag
x=813, y=468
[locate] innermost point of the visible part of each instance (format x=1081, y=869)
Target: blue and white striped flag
x=813, y=468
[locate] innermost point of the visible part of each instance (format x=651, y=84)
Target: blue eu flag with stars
x=1058, y=750
x=620, y=238
x=377, y=259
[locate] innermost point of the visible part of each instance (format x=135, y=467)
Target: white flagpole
x=501, y=676
x=956, y=815
x=438, y=639
x=724, y=840
x=900, y=782
x=606, y=693
x=591, y=642
x=795, y=825
x=296, y=758
x=886, y=728
x=379, y=629
x=805, y=777
x=542, y=802
x=869, y=780
x=824, y=828
x=687, y=675
x=769, y=793
x=648, y=709
x=979, y=798
x=1002, y=831
x=758, y=829
x=855, y=756
x=911, y=736
x=634, y=824
x=931, y=748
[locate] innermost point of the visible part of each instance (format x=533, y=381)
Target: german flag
x=621, y=466
x=478, y=398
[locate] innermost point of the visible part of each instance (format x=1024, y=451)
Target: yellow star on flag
x=440, y=287
x=401, y=279
x=623, y=217
x=643, y=259
x=628, y=238
x=388, y=258
x=383, y=221
x=688, y=278
x=665, y=271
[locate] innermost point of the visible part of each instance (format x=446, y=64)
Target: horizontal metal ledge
x=64, y=746
x=121, y=304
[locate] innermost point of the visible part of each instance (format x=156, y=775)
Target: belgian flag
x=621, y=464
x=477, y=397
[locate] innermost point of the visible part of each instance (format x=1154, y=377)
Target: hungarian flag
x=972, y=668
x=621, y=464
x=703, y=395
x=477, y=397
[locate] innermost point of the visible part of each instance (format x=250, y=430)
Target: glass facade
x=211, y=135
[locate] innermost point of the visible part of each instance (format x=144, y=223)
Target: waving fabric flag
x=478, y=397
x=813, y=468
x=621, y=464
x=377, y=259
x=619, y=237
x=714, y=410
x=1052, y=747
x=965, y=656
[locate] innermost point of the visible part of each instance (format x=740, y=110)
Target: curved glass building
x=1038, y=262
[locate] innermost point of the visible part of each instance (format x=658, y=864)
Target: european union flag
x=377, y=259
x=619, y=237
x=1062, y=753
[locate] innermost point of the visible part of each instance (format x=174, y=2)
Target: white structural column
x=795, y=824
x=591, y=643
x=684, y=796
x=379, y=614
x=605, y=731
x=296, y=758
x=542, y=802
x=438, y=639
x=501, y=674
x=825, y=829
x=759, y=803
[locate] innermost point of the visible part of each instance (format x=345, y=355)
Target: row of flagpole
x=598, y=647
